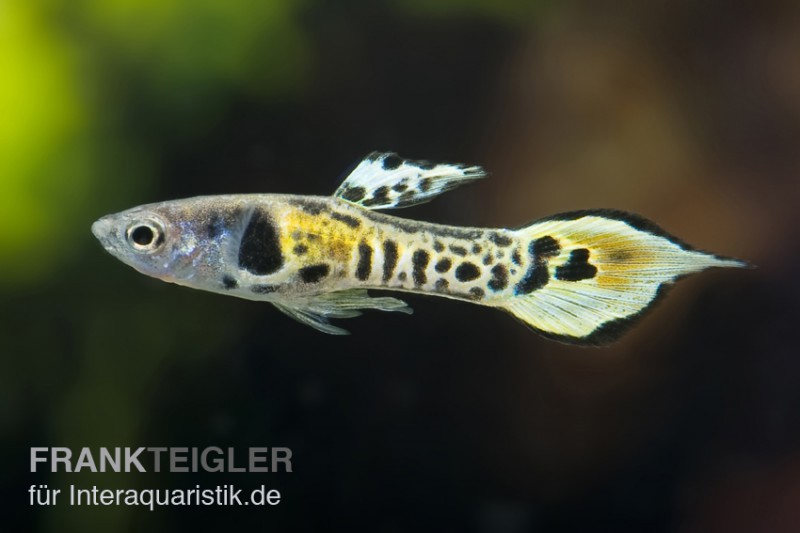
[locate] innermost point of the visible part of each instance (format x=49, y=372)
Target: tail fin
x=591, y=274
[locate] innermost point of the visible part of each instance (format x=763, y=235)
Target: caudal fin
x=593, y=273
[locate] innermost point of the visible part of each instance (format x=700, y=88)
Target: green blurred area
x=67, y=68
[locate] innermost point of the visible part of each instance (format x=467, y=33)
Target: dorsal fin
x=387, y=181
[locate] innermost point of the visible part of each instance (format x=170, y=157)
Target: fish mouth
x=102, y=230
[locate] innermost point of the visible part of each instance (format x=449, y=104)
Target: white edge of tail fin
x=621, y=266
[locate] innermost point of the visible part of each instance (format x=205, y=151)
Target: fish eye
x=146, y=236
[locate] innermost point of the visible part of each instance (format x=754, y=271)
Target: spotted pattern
x=499, y=279
x=577, y=267
x=364, y=267
x=263, y=289
x=386, y=180
x=389, y=259
x=467, y=272
x=260, y=249
x=539, y=253
x=420, y=260
x=353, y=222
x=314, y=273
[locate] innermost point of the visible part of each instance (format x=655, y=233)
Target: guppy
x=581, y=277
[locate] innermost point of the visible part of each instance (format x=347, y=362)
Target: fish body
x=580, y=277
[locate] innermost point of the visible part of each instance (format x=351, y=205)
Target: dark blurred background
x=456, y=418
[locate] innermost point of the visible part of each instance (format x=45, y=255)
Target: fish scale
x=582, y=277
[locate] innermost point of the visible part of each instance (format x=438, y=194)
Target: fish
x=581, y=277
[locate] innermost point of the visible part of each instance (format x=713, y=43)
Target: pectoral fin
x=387, y=181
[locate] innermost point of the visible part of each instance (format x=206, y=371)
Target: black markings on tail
x=364, y=267
x=420, y=261
x=314, y=273
x=577, y=267
x=389, y=259
x=229, y=282
x=260, y=249
x=539, y=251
x=458, y=250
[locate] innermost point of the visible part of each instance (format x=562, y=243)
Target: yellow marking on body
x=325, y=238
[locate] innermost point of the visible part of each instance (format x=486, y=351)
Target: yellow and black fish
x=580, y=277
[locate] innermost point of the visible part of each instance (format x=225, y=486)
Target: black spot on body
x=400, y=187
x=300, y=249
x=420, y=260
x=500, y=240
x=389, y=259
x=545, y=246
x=402, y=276
x=379, y=197
x=314, y=273
x=229, y=282
x=516, y=258
x=215, y=228
x=577, y=267
x=467, y=272
x=425, y=184
x=364, y=267
x=539, y=251
x=353, y=222
x=476, y=249
x=487, y=259
x=392, y=161
x=499, y=279
x=438, y=247
x=476, y=293
x=458, y=250
x=263, y=289
x=311, y=207
x=441, y=284
x=260, y=249
x=354, y=194
x=443, y=265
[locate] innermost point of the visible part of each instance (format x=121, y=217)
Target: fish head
x=157, y=240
